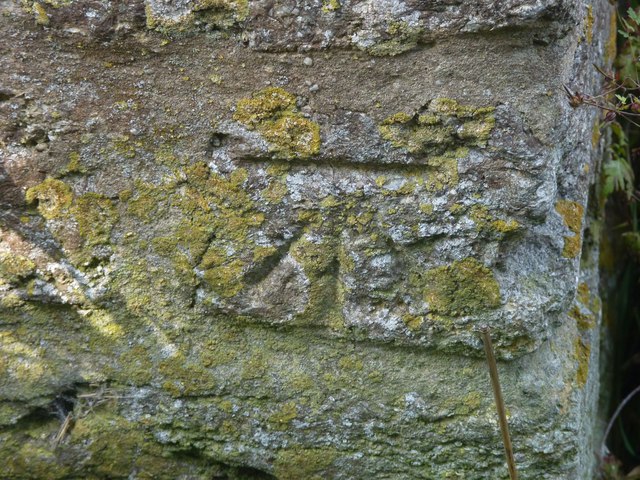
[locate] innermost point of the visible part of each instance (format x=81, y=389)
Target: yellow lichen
x=15, y=268
x=486, y=222
x=330, y=5
x=413, y=322
x=463, y=288
x=96, y=215
x=572, y=213
x=610, y=49
x=583, y=321
x=272, y=112
x=443, y=129
x=582, y=353
x=41, y=16
x=588, y=24
x=54, y=197
x=584, y=295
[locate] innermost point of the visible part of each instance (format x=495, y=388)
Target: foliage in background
x=620, y=104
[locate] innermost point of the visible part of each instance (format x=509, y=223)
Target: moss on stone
x=464, y=287
x=272, y=112
x=611, y=46
x=426, y=208
x=136, y=365
x=74, y=165
x=53, y=198
x=572, y=214
x=572, y=246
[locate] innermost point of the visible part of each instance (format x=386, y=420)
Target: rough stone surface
x=258, y=239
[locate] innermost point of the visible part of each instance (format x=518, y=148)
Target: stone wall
x=258, y=239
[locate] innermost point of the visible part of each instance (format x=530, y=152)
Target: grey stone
x=261, y=238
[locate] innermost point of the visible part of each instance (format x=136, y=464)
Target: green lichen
x=307, y=463
x=96, y=216
x=275, y=191
x=399, y=37
x=351, y=363
x=255, y=367
x=464, y=287
x=426, y=208
x=319, y=261
x=469, y=404
x=223, y=272
x=314, y=257
x=213, y=232
x=272, y=112
x=53, y=198
x=283, y=416
x=572, y=214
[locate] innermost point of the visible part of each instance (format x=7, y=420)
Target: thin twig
x=497, y=394
x=64, y=429
x=627, y=399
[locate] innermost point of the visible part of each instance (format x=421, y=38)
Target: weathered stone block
x=253, y=239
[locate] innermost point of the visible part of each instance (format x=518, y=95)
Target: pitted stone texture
x=237, y=245
x=381, y=27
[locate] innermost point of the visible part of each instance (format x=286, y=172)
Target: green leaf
x=618, y=177
x=622, y=99
x=633, y=16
